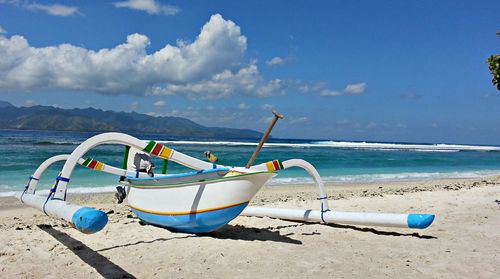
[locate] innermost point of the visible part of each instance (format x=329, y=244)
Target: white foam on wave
x=403, y=146
x=334, y=144
x=387, y=177
x=352, y=145
x=74, y=190
x=7, y=194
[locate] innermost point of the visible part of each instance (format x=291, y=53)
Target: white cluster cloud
x=211, y=66
x=209, y=115
x=29, y=103
x=148, y=6
x=330, y=93
x=311, y=87
x=51, y=9
x=243, y=106
x=134, y=105
x=2, y=30
x=54, y=9
x=357, y=88
x=267, y=107
x=299, y=120
x=350, y=89
x=275, y=61
x=245, y=80
x=160, y=103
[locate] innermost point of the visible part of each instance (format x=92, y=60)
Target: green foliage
x=494, y=62
x=494, y=65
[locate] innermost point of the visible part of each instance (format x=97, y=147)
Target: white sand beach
x=463, y=242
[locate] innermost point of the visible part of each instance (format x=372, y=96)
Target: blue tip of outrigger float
x=89, y=220
x=420, y=221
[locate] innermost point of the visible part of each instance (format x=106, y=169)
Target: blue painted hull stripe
x=193, y=223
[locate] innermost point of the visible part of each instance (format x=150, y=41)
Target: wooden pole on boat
x=277, y=116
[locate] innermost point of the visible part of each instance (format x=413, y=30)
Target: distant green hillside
x=96, y=120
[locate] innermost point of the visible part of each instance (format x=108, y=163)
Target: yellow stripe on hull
x=186, y=212
x=99, y=166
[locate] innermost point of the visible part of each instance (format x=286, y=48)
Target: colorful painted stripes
x=93, y=164
x=274, y=165
x=158, y=149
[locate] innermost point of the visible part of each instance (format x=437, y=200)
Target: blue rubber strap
x=52, y=191
x=62, y=179
x=34, y=178
x=26, y=188
x=322, y=212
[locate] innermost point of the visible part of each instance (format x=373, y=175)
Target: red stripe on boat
x=157, y=149
x=92, y=164
x=276, y=165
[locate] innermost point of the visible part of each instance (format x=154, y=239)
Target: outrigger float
x=200, y=201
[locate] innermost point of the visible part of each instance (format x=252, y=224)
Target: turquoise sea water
x=336, y=161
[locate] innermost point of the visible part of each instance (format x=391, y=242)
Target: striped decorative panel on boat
x=274, y=165
x=158, y=149
x=93, y=164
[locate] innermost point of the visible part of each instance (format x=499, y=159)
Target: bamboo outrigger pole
x=277, y=116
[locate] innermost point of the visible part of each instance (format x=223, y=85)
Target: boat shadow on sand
x=100, y=263
x=379, y=232
x=108, y=269
x=239, y=232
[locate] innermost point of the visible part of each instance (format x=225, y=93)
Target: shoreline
x=276, y=183
x=399, y=186
x=462, y=242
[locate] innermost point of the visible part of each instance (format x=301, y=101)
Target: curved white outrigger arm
x=85, y=219
x=325, y=215
x=151, y=147
x=33, y=179
x=275, y=165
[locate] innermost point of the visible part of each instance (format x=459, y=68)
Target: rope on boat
x=27, y=187
x=322, y=209
x=52, y=191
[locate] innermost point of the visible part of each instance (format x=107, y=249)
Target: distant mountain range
x=96, y=120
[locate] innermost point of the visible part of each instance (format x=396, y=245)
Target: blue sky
x=348, y=70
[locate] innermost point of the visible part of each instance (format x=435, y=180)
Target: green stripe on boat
x=281, y=165
x=150, y=146
x=87, y=162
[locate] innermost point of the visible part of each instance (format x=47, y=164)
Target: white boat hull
x=196, y=207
